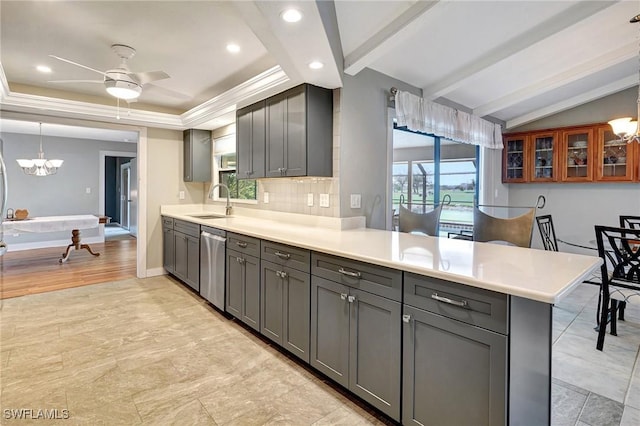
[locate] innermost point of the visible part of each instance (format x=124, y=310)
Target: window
x=427, y=168
x=225, y=171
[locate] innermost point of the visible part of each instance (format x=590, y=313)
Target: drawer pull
x=241, y=244
x=343, y=296
x=281, y=274
x=285, y=256
x=462, y=304
x=240, y=260
x=351, y=299
x=349, y=273
x=406, y=318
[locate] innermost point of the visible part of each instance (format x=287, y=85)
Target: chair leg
x=598, y=311
x=621, y=306
x=602, y=330
x=614, y=323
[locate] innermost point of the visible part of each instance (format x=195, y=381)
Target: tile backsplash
x=291, y=195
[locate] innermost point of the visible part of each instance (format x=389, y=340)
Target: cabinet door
x=459, y=379
x=276, y=136
x=295, y=150
x=271, y=290
x=250, y=141
x=197, y=155
x=543, y=154
x=296, y=315
x=375, y=351
x=181, y=255
x=514, y=163
x=251, y=292
x=234, y=283
x=192, y=277
x=330, y=329
x=577, y=155
x=614, y=157
x=168, y=253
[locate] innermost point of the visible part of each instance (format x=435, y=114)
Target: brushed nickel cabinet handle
x=349, y=273
x=406, y=318
x=285, y=256
x=343, y=296
x=351, y=299
x=460, y=304
x=241, y=244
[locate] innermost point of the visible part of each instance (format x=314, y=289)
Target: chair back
x=428, y=223
x=632, y=222
x=517, y=230
x=619, y=249
x=547, y=232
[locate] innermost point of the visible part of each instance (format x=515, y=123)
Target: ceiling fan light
x=620, y=126
x=39, y=162
x=24, y=163
x=632, y=127
x=123, y=89
x=56, y=163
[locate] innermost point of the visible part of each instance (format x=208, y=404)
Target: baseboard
x=155, y=272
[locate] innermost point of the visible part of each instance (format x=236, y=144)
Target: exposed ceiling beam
x=386, y=39
x=579, y=71
x=536, y=34
x=583, y=98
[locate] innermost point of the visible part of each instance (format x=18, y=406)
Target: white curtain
x=424, y=116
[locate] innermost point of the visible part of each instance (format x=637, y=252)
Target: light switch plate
x=181, y=195
x=324, y=200
x=88, y=190
x=265, y=198
x=310, y=199
x=356, y=201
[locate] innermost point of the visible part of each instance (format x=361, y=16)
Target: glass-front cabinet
x=514, y=164
x=615, y=157
x=576, y=154
x=543, y=157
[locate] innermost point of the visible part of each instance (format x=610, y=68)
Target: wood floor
x=38, y=271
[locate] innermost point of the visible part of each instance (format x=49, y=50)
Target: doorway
x=125, y=195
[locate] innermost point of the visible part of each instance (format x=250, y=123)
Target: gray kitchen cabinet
x=243, y=279
x=284, y=299
x=168, y=244
x=355, y=334
x=197, y=145
x=250, y=141
x=454, y=354
x=186, y=241
x=299, y=132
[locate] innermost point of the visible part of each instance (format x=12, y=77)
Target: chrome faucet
x=228, y=207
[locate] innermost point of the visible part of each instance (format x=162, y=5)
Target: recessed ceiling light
x=316, y=65
x=233, y=48
x=291, y=15
x=43, y=68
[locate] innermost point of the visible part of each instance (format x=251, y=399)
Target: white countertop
x=529, y=273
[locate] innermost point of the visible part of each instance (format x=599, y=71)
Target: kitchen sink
x=207, y=216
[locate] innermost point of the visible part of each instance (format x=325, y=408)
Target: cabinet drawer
x=385, y=282
x=188, y=228
x=281, y=254
x=167, y=222
x=243, y=244
x=476, y=306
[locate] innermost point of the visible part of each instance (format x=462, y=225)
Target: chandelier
x=625, y=128
x=39, y=166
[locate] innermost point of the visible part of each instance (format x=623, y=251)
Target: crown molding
x=198, y=116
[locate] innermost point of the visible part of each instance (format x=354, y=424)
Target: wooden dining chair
x=619, y=249
x=427, y=223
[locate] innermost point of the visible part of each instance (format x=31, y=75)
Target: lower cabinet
x=187, y=259
x=243, y=288
x=356, y=341
x=168, y=244
x=284, y=298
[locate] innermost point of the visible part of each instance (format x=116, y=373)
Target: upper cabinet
x=589, y=153
x=250, y=141
x=197, y=155
x=297, y=131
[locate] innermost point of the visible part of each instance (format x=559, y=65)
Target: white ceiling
x=516, y=61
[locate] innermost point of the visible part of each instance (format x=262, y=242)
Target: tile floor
x=151, y=352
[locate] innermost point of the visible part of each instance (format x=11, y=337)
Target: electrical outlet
x=310, y=199
x=355, y=201
x=88, y=190
x=181, y=195
x=324, y=200
x=265, y=198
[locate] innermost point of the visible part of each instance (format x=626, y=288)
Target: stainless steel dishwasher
x=212, y=265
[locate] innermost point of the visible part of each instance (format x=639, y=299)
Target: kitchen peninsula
x=475, y=318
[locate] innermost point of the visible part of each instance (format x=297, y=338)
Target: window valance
x=421, y=115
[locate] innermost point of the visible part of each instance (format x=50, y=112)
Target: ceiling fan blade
x=148, y=76
x=76, y=81
x=77, y=64
x=153, y=88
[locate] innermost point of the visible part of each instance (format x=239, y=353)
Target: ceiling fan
x=119, y=82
